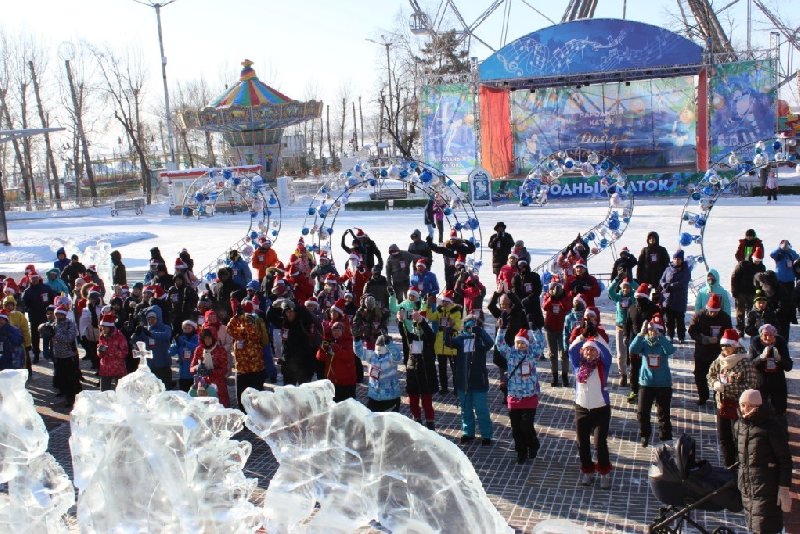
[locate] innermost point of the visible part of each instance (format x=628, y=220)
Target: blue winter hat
x=678, y=255
x=254, y=285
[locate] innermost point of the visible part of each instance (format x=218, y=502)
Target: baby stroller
x=684, y=484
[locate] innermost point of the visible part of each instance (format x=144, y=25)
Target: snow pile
x=40, y=248
x=147, y=460
x=362, y=468
x=39, y=493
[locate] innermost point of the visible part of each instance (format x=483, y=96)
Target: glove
x=718, y=386
x=784, y=499
x=390, y=290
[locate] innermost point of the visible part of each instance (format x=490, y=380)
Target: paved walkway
x=547, y=487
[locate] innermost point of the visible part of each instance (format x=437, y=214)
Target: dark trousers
x=67, y=378
x=675, y=321
x=400, y=290
x=744, y=303
x=91, y=353
x=555, y=346
x=295, y=374
x=440, y=227
x=662, y=398
x=342, y=393
x=248, y=380
x=593, y=422
x=524, y=433
x=444, y=361
x=701, y=364
x=164, y=374
x=727, y=442
x=772, y=194
x=391, y=405
x=633, y=370
x=35, y=339
x=108, y=382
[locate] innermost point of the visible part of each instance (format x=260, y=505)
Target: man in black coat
x=37, y=297
x=527, y=286
x=421, y=248
x=221, y=293
x=706, y=329
x=73, y=271
x=378, y=287
x=624, y=265
x=299, y=361
x=653, y=261
x=398, y=270
x=501, y=244
x=451, y=251
x=364, y=246
x=743, y=286
x=508, y=309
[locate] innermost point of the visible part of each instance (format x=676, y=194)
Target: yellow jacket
x=444, y=319
x=19, y=320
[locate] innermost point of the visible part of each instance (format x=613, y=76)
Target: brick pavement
x=547, y=487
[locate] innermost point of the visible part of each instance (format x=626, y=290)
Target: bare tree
x=37, y=63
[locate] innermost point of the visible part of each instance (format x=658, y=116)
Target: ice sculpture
x=39, y=493
x=149, y=460
x=362, y=468
x=99, y=255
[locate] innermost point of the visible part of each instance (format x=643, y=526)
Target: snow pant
x=295, y=374
x=676, y=323
x=635, y=366
x=622, y=350
x=109, y=382
x=475, y=403
x=444, y=361
x=67, y=377
x=522, y=430
x=253, y=380
x=772, y=193
x=430, y=229
x=743, y=303
x=342, y=393
x=427, y=405
x=701, y=365
x=727, y=440
x=391, y=405
x=555, y=347
x=588, y=423
x=662, y=396
x=165, y=375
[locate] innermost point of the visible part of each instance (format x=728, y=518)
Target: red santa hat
x=591, y=342
x=448, y=296
x=580, y=263
x=412, y=291
x=657, y=322
x=108, y=319
x=354, y=258
x=593, y=311
x=92, y=268
x=312, y=301
x=758, y=254
x=124, y=289
x=624, y=249
x=730, y=337
x=578, y=299
x=11, y=286
x=339, y=305
x=189, y=322
x=421, y=262
x=522, y=335
x=158, y=292
x=360, y=232
x=643, y=291
x=714, y=303
x=512, y=255
x=60, y=310
x=180, y=265
x=331, y=279
x=625, y=283
x=453, y=232
x=247, y=306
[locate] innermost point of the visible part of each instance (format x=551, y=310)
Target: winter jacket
x=119, y=275
x=384, y=382
x=61, y=264
x=473, y=293
x=398, y=268
x=586, y=286
x=555, y=311
x=320, y=272
x=89, y=323
x=571, y=321
x=339, y=359
x=705, y=293
x=64, y=334
x=421, y=377
x=765, y=463
x=183, y=349
x=772, y=290
x=366, y=249
x=183, y=301
x=369, y=324
x=215, y=360
x=263, y=259
x=523, y=380
x=525, y=283
x=406, y=308
x=71, y=272
x=734, y=381
x=425, y=283
x=655, y=371
x=157, y=339
x=783, y=264
x=512, y=323
x=702, y=327
x=675, y=287
x=240, y=272
x=247, y=348
x=450, y=253
x=624, y=266
x=743, y=279
x=112, y=351
x=55, y=282
x=18, y=320
x=355, y=280
x=221, y=295
x=623, y=302
x=506, y=275
x=446, y=321
x=421, y=248
x=302, y=286
x=756, y=319
x=470, y=365
x=601, y=371
x=12, y=355
x=36, y=299
x=378, y=287
x=298, y=349
x=652, y=262
x=501, y=245
x=641, y=310
x=746, y=248
x=772, y=377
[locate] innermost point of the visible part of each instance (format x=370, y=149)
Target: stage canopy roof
x=591, y=51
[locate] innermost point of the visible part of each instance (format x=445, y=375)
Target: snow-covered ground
x=544, y=230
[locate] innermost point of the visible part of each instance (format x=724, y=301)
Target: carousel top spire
x=249, y=91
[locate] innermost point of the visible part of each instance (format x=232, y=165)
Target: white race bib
x=653, y=361
x=375, y=372
x=715, y=331
x=416, y=347
x=525, y=369
x=556, y=308
x=239, y=343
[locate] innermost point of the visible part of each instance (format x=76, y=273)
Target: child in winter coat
x=471, y=379
x=183, y=348
x=655, y=378
x=336, y=353
x=211, y=359
x=573, y=319
x=769, y=353
x=112, y=349
x=760, y=315
x=621, y=292
x=384, y=383
x=421, y=381
x=556, y=306
x=523, y=389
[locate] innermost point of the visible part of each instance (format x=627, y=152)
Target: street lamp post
x=170, y=127
x=387, y=44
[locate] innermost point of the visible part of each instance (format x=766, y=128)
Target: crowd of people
x=261, y=320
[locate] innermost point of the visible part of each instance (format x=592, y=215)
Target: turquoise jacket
x=623, y=303
x=654, y=352
x=705, y=292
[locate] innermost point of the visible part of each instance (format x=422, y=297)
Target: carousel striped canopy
x=249, y=92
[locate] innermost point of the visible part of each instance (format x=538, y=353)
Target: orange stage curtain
x=497, y=148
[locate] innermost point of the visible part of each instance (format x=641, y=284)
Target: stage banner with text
x=447, y=117
x=644, y=124
x=743, y=105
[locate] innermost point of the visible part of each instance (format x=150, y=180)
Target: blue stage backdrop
x=447, y=116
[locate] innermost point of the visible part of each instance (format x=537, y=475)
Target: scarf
x=586, y=368
x=729, y=362
x=208, y=357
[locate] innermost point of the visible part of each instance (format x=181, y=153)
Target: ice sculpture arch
x=335, y=193
x=723, y=177
x=613, y=183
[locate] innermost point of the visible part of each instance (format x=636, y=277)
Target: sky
x=296, y=45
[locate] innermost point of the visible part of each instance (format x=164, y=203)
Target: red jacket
x=555, y=310
x=302, y=286
x=506, y=275
x=358, y=280
x=339, y=359
x=112, y=358
x=263, y=259
x=587, y=287
x=219, y=374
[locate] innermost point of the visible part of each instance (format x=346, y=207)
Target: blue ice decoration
x=323, y=210
x=311, y=210
x=358, y=167
x=613, y=224
x=199, y=197
x=546, y=277
x=253, y=214
x=269, y=213
x=227, y=174
x=372, y=182
x=253, y=235
x=776, y=146
x=210, y=276
x=525, y=202
x=426, y=177
x=384, y=173
x=448, y=211
x=237, y=181
x=272, y=200
x=458, y=226
x=274, y=233
x=304, y=231
x=330, y=230
x=603, y=243
x=212, y=174
x=473, y=223
x=187, y=211
x=686, y=239
x=413, y=164
x=590, y=236
x=696, y=196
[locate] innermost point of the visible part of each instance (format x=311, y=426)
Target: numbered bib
x=416, y=347
x=444, y=322
x=653, y=361
x=45, y=297
x=187, y=355
x=789, y=263
x=556, y=308
x=151, y=342
x=469, y=345
x=451, y=261
x=528, y=288
x=260, y=257
x=715, y=331
x=654, y=257
x=284, y=334
x=375, y=372
x=625, y=303
x=402, y=265
x=235, y=272
x=239, y=343
x=771, y=365
x=723, y=378
x=525, y=369
x=175, y=297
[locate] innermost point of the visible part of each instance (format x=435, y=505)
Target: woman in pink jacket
x=112, y=349
x=211, y=359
